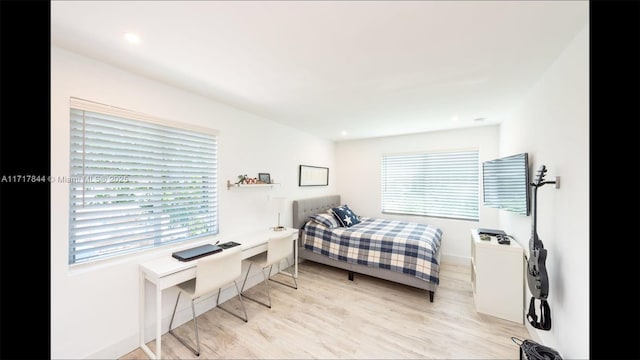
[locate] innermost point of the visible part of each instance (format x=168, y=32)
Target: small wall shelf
x=231, y=185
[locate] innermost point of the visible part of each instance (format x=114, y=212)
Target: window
x=436, y=184
x=137, y=182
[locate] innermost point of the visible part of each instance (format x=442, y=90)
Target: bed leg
x=431, y=296
x=350, y=275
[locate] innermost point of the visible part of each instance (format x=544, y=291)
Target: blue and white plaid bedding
x=405, y=247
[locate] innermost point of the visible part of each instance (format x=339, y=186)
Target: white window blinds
x=137, y=182
x=436, y=184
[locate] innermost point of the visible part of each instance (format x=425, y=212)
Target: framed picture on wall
x=313, y=176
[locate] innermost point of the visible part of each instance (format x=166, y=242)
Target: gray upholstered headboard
x=304, y=207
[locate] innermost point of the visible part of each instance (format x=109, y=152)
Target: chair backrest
x=216, y=270
x=278, y=248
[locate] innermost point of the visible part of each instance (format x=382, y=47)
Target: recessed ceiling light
x=132, y=38
x=455, y=118
x=343, y=133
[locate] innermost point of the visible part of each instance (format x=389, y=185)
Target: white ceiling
x=370, y=68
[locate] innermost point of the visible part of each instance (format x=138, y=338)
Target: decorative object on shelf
x=313, y=176
x=278, y=204
x=241, y=179
x=244, y=180
x=264, y=178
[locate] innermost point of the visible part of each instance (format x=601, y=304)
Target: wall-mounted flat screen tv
x=505, y=183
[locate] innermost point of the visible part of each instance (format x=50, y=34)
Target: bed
x=403, y=252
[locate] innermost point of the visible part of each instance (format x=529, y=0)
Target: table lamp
x=278, y=204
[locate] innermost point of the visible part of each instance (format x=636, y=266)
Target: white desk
x=166, y=272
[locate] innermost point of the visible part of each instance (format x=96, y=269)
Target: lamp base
x=279, y=228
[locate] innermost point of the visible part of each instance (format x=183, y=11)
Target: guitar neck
x=533, y=213
x=535, y=242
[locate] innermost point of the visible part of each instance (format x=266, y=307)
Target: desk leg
x=142, y=318
x=141, y=308
x=158, y=322
x=295, y=257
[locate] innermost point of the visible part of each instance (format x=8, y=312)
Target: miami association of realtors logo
x=65, y=179
x=90, y=179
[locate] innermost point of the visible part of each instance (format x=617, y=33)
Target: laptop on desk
x=196, y=252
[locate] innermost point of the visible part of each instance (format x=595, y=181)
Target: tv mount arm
x=556, y=181
x=546, y=182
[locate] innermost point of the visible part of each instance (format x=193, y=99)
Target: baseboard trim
x=456, y=260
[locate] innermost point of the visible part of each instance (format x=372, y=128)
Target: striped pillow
x=325, y=219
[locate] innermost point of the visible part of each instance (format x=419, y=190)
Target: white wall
x=552, y=125
x=94, y=307
x=359, y=164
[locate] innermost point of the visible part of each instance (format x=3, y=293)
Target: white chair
x=212, y=273
x=278, y=249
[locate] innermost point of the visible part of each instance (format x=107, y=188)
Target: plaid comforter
x=405, y=247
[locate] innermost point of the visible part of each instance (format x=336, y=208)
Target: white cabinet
x=497, y=278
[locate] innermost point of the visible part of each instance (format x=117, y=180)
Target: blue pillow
x=345, y=216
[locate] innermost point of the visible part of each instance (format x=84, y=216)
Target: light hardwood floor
x=330, y=317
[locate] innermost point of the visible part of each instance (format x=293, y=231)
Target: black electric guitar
x=536, y=271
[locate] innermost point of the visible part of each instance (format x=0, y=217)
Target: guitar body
x=537, y=274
